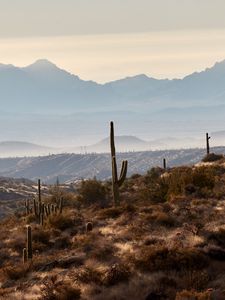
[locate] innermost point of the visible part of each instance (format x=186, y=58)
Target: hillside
x=166, y=240
x=70, y=167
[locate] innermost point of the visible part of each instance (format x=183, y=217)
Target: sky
x=105, y=40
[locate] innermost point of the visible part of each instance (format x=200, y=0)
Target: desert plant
x=116, y=181
x=92, y=191
x=29, y=243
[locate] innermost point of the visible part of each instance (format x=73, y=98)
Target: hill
x=165, y=240
x=72, y=167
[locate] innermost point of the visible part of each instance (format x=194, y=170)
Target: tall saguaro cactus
x=207, y=143
x=116, y=182
x=39, y=191
x=29, y=243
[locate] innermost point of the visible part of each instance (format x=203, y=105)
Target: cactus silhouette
x=29, y=243
x=207, y=143
x=116, y=182
x=24, y=255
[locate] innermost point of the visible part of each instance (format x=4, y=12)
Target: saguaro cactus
x=164, y=163
x=39, y=191
x=207, y=143
x=29, y=243
x=116, y=182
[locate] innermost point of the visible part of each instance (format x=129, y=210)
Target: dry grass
x=168, y=243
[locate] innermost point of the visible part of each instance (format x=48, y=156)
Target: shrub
x=163, y=219
x=61, y=221
x=218, y=237
x=88, y=275
x=185, y=180
x=155, y=188
x=92, y=191
x=112, y=212
x=193, y=295
x=115, y=274
x=212, y=157
x=17, y=271
x=155, y=258
x=58, y=290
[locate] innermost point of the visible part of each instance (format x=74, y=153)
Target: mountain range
x=44, y=104
x=42, y=87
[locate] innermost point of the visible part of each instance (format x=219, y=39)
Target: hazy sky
x=109, y=39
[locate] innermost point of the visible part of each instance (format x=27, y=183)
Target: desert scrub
x=112, y=212
x=155, y=258
x=116, y=273
x=193, y=295
x=54, y=289
x=17, y=271
x=183, y=180
x=92, y=191
x=211, y=157
x=88, y=275
x=61, y=221
x=155, y=187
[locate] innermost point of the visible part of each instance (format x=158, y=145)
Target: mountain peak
x=42, y=63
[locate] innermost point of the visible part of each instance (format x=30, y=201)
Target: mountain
x=43, y=87
x=123, y=144
x=15, y=148
x=44, y=104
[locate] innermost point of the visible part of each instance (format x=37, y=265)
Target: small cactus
x=29, y=243
x=89, y=226
x=164, y=163
x=24, y=255
x=60, y=205
x=39, y=191
x=207, y=143
x=27, y=206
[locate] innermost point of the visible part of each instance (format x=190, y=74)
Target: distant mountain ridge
x=43, y=87
x=17, y=148
x=73, y=167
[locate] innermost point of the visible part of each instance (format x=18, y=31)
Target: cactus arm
x=123, y=172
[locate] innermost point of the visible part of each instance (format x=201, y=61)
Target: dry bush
x=115, y=274
x=88, y=275
x=161, y=218
x=60, y=221
x=112, y=212
x=185, y=180
x=218, y=237
x=4, y=256
x=41, y=236
x=211, y=157
x=62, y=242
x=53, y=289
x=17, y=271
x=155, y=187
x=193, y=295
x=155, y=258
x=103, y=252
x=194, y=279
x=92, y=191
